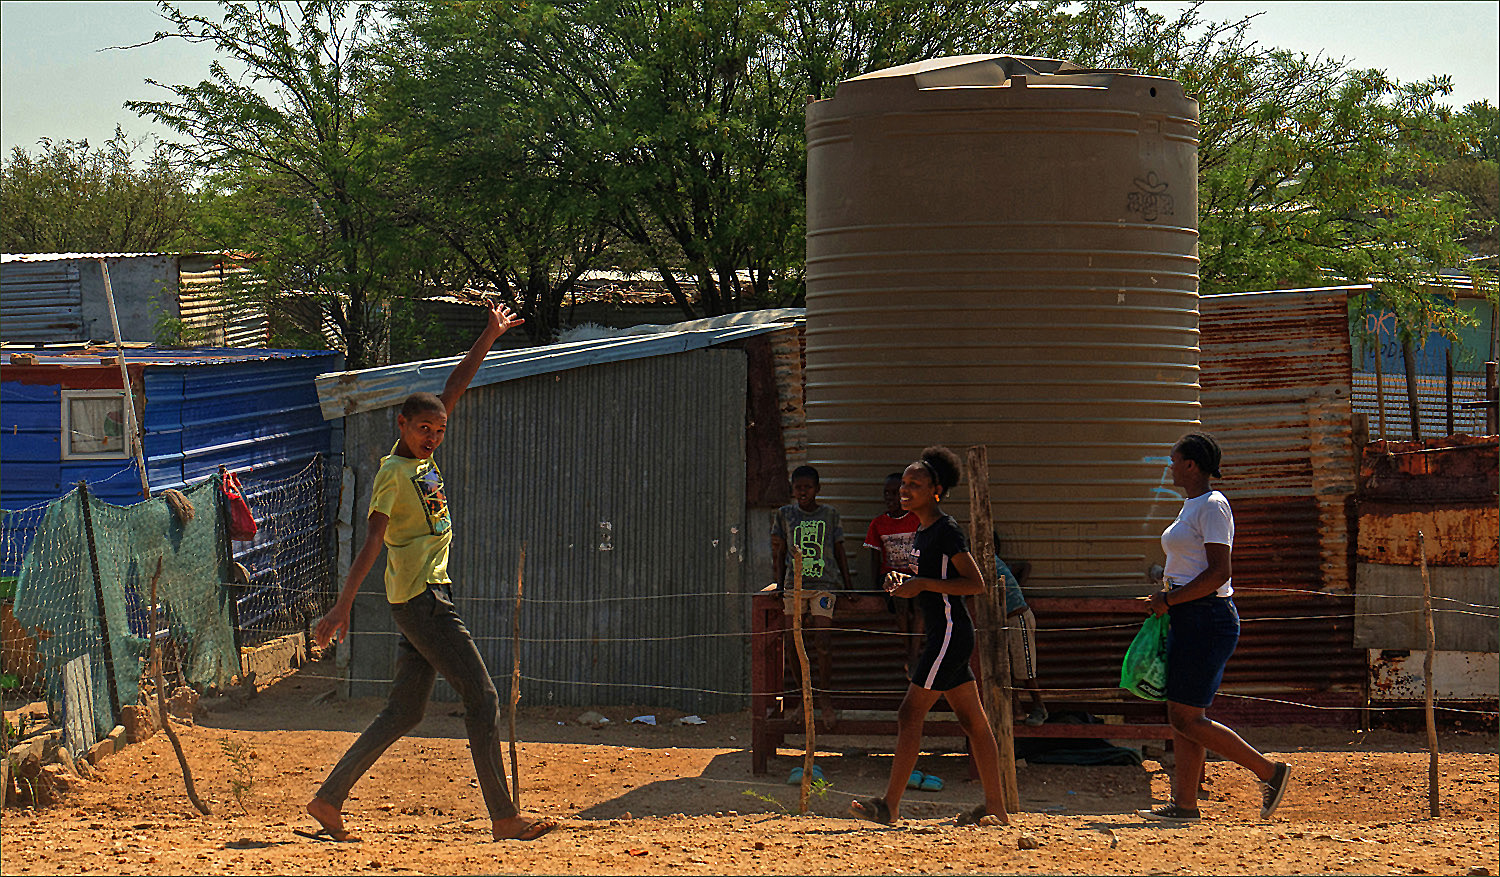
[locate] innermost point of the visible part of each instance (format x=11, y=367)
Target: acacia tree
x=71, y=197
x=484, y=166
x=287, y=143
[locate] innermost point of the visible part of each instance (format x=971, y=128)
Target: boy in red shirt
x=888, y=549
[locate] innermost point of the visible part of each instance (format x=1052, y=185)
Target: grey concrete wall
x=145, y=288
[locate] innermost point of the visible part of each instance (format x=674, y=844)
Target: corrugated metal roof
x=66, y=257
x=91, y=354
x=345, y=393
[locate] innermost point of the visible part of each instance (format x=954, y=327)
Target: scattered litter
x=644, y=720
x=689, y=720
x=592, y=718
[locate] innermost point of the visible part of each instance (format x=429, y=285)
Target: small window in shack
x=93, y=425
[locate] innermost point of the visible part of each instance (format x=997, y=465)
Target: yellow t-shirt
x=410, y=493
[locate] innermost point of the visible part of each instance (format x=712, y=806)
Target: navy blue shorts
x=944, y=662
x=1203, y=635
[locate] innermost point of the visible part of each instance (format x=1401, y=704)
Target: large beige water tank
x=1003, y=251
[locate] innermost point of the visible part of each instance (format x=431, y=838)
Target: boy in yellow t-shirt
x=409, y=516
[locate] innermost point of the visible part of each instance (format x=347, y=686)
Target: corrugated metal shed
x=255, y=412
x=1276, y=388
x=201, y=408
x=59, y=297
x=40, y=301
x=625, y=481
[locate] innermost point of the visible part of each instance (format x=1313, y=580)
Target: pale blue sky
x=55, y=82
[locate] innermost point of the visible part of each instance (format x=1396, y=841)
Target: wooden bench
x=870, y=652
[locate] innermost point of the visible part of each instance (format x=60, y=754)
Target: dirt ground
x=638, y=799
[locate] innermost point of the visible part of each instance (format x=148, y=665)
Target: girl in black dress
x=943, y=573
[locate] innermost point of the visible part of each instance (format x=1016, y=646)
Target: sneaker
x=1038, y=716
x=1271, y=792
x=1171, y=813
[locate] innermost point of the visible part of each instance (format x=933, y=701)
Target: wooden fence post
x=809, y=732
x=994, y=652
x=515, y=681
x=1432, y=739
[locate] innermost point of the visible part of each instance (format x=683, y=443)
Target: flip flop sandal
x=925, y=782
x=534, y=829
x=873, y=809
x=327, y=835
x=979, y=815
x=795, y=777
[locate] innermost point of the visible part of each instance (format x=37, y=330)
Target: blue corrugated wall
x=254, y=412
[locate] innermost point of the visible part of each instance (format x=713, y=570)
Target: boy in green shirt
x=409, y=516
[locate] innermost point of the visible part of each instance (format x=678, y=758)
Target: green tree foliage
x=516, y=145
x=288, y=146
x=486, y=167
x=70, y=197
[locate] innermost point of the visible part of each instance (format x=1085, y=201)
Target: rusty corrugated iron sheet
x=1295, y=647
x=1275, y=544
x=1276, y=379
x=1461, y=534
x=1443, y=471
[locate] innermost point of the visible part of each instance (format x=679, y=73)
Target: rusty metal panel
x=1276, y=380
x=1456, y=469
x=1388, y=606
x=1399, y=674
x=788, y=347
x=1293, y=645
x=1462, y=534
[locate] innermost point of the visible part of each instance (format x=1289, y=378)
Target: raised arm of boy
x=500, y=321
x=335, y=625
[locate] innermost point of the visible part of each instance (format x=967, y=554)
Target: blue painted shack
x=254, y=412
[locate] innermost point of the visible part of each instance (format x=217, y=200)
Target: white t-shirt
x=1203, y=519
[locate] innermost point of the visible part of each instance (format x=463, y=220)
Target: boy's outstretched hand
x=333, y=627
x=501, y=319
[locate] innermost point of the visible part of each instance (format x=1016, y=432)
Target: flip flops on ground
x=532, y=830
x=795, y=777
x=979, y=815
x=341, y=836
x=925, y=782
x=873, y=809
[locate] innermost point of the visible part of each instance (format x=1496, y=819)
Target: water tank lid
x=959, y=71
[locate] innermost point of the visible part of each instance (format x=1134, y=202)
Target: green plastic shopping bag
x=1144, y=670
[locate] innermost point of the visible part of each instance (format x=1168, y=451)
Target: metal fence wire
x=1432, y=405
x=90, y=588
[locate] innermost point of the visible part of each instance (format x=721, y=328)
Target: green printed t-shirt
x=410, y=493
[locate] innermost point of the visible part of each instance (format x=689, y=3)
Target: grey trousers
x=433, y=640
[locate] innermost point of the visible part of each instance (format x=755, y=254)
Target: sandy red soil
x=636, y=799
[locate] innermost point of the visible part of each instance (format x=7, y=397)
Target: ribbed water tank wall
x=1003, y=251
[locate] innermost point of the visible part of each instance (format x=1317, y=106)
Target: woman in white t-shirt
x=1204, y=631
